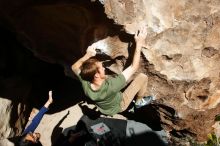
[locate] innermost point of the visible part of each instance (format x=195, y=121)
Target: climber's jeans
x=137, y=86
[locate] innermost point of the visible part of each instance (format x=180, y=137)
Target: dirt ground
x=52, y=124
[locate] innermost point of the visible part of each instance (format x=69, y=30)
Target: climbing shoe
x=144, y=101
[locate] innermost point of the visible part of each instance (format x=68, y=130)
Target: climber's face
x=100, y=70
x=34, y=137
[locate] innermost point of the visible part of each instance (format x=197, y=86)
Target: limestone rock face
x=5, y=112
x=183, y=37
x=13, y=108
x=181, y=53
x=182, y=50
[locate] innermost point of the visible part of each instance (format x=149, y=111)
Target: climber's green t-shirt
x=108, y=96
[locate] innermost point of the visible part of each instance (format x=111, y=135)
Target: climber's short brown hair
x=89, y=69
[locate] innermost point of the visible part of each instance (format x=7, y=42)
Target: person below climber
x=106, y=92
x=29, y=137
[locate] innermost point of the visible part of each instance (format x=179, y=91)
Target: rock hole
x=209, y=52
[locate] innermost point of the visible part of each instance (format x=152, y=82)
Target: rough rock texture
x=182, y=52
x=181, y=55
x=5, y=112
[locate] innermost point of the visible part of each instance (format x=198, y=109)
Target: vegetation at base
x=213, y=140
